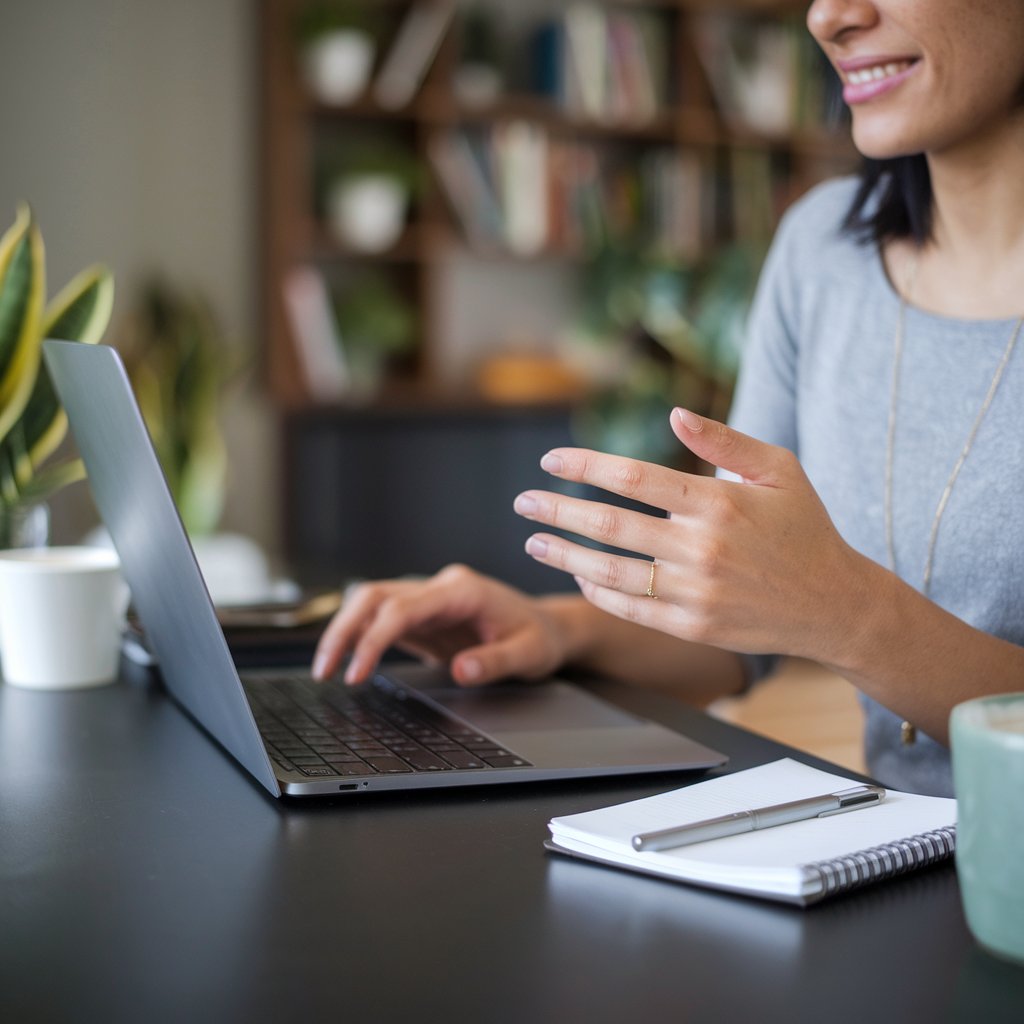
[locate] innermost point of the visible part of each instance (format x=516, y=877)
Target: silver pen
x=760, y=817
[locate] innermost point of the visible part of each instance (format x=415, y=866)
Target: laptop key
x=387, y=765
x=507, y=761
x=321, y=769
x=487, y=752
x=369, y=749
x=425, y=761
x=462, y=759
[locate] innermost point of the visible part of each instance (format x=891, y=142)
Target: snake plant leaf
x=22, y=291
x=9, y=494
x=201, y=483
x=51, y=479
x=80, y=312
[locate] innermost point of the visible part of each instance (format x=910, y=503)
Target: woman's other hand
x=748, y=565
x=482, y=629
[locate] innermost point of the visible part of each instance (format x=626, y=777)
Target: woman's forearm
x=639, y=655
x=914, y=657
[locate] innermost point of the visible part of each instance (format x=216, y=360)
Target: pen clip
x=851, y=799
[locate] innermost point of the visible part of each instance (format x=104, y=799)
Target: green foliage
x=356, y=156
x=676, y=330
x=321, y=18
x=696, y=313
x=32, y=422
x=179, y=364
x=375, y=316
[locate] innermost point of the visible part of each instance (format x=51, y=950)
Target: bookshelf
x=552, y=154
x=626, y=119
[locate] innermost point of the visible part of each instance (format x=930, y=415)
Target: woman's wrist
x=572, y=619
x=862, y=619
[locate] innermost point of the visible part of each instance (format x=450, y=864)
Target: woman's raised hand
x=747, y=565
x=482, y=629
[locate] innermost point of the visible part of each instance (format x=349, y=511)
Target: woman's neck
x=973, y=266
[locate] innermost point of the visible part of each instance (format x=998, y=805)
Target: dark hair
x=893, y=200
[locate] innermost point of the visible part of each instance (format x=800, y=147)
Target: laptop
x=411, y=727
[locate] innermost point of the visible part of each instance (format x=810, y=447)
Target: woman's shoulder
x=811, y=235
x=820, y=212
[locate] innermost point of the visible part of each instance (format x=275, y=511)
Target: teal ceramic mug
x=987, y=737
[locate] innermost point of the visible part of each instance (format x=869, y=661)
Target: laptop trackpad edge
x=546, y=707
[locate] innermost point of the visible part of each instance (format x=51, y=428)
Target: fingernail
x=353, y=672
x=470, y=669
x=525, y=505
x=537, y=547
x=319, y=665
x=551, y=463
x=690, y=420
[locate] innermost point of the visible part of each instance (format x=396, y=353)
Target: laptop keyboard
x=324, y=731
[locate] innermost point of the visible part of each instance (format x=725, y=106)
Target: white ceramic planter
x=337, y=65
x=368, y=212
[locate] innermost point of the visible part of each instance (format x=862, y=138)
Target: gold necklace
x=908, y=732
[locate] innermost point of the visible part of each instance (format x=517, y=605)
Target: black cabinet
x=396, y=491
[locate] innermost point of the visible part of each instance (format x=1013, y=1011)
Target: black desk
x=133, y=889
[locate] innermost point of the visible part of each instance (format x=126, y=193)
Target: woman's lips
x=866, y=79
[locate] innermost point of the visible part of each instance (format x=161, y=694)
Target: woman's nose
x=829, y=20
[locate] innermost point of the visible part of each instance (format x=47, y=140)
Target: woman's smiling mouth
x=866, y=79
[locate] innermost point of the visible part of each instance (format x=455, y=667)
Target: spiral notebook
x=801, y=862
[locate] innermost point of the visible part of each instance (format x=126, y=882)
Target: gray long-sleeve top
x=815, y=378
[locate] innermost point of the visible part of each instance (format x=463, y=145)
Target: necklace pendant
x=908, y=734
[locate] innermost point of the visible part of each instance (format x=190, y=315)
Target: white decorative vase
x=337, y=65
x=367, y=212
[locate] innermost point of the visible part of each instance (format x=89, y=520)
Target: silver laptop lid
x=157, y=559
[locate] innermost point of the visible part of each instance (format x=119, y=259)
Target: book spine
x=886, y=861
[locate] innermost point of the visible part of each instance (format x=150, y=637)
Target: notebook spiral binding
x=884, y=861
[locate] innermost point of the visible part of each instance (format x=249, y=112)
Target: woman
x=883, y=353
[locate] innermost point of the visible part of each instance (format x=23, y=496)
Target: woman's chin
x=883, y=143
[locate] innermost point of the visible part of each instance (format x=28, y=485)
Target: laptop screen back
x=157, y=560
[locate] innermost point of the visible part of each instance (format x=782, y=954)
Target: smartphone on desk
x=266, y=633
x=306, y=611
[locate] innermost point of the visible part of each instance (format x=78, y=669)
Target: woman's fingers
x=630, y=478
x=404, y=611
x=484, y=628
x=358, y=607
x=614, y=572
x=729, y=449
x=606, y=524
x=662, y=615
x=522, y=653
x=715, y=442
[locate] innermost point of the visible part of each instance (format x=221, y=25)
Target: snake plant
x=32, y=422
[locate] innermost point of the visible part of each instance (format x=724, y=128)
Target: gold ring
x=650, y=582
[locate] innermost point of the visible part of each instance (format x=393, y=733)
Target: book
x=801, y=863
x=413, y=51
x=586, y=32
x=521, y=155
x=460, y=166
x=315, y=334
x=751, y=66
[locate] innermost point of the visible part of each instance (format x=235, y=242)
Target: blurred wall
x=130, y=125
